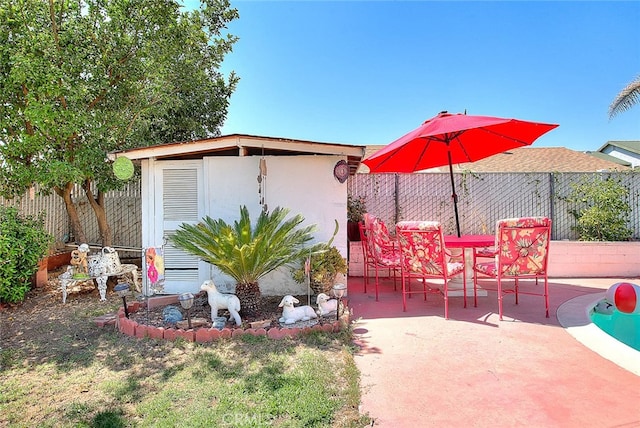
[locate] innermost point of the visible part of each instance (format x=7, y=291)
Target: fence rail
x=483, y=198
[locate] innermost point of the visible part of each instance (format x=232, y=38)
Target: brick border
x=207, y=335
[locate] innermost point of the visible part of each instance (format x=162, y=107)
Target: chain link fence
x=484, y=198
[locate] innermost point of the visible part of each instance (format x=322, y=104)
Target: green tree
x=627, y=98
x=244, y=252
x=81, y=78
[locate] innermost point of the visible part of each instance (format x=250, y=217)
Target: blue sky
x=367, y=72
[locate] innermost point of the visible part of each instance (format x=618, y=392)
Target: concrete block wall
x=580, y=259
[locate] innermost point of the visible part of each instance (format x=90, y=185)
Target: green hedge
x=23, y=243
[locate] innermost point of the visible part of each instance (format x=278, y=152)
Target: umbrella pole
x=454, y=195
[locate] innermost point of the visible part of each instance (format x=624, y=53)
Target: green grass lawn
x=78, y=375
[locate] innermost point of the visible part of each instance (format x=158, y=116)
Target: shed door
x=180, y=187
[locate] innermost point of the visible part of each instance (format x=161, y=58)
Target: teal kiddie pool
x=576, y=316
x=621, y=326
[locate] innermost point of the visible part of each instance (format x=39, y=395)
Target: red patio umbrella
x=453, y=139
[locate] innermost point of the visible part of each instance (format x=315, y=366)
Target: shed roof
x=244, y=145
x=529, y=159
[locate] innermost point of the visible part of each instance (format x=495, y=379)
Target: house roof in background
x=609, y=158
x=631, y=146
x=528, y=159
x=244, y=145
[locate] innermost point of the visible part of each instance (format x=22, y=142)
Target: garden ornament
x=291, y=314
x=325, y=304
x=79, y=262
x=219, y=300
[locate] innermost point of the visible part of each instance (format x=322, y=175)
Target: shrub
x=23, y=243
x=356, y=208
x=602, y=209
x=326, y=263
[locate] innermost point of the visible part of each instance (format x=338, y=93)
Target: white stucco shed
x=183, y=182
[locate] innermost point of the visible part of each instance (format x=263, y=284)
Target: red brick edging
x=204, y=334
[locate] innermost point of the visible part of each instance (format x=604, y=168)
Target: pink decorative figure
x=152, y=272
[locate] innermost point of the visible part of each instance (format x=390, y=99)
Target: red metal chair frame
x=367, y=257
x=423, y=256
x=522, y=252
x=381, y=251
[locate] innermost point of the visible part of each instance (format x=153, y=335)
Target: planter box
x=54, y=261
x=567, y=259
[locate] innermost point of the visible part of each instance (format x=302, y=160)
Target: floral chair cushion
x=522, y=245
x=423, y=250
x=381, y=246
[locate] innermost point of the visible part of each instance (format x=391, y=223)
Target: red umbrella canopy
x=454, y=138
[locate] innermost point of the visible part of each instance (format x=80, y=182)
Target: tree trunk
x=97, y=204
x=249, y=296
x=76, y=226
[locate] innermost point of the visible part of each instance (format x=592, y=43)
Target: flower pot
x=39, y=279
x=353, y=231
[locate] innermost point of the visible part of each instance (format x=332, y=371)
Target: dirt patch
x=268, y=310
x=43, y=326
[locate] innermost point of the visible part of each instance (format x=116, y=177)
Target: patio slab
x=472, y=370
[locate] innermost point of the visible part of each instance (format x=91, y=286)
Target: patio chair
x=425, y=256
x=382, y=252
x=481, y=255
x=367, y=257
x=522, y=252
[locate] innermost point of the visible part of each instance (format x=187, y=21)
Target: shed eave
x=353, y=153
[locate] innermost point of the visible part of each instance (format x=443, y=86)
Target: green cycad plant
x=247, y=253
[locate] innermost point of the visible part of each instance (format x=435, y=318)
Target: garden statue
x=155, y=269
x=291, y=314
x=219, y=300
x=79, y=262
x=325, y=304
x=171, y=314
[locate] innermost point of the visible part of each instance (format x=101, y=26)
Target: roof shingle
x=528, y=159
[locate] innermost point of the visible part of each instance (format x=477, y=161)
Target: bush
x=326, y=263
x=23, y=243
x=602, y=210
x=356, y=208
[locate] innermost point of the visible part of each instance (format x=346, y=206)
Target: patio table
x=466, y=244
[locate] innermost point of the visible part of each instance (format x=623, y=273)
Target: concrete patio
x=420, y=370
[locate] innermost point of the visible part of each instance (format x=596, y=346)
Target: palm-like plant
x=244, y=252
x=626, y=99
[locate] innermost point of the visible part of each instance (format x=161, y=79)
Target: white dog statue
x=291, y=315
x=218, y=300
x=325, y=304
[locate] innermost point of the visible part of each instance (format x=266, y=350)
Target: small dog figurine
x=79, y=262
